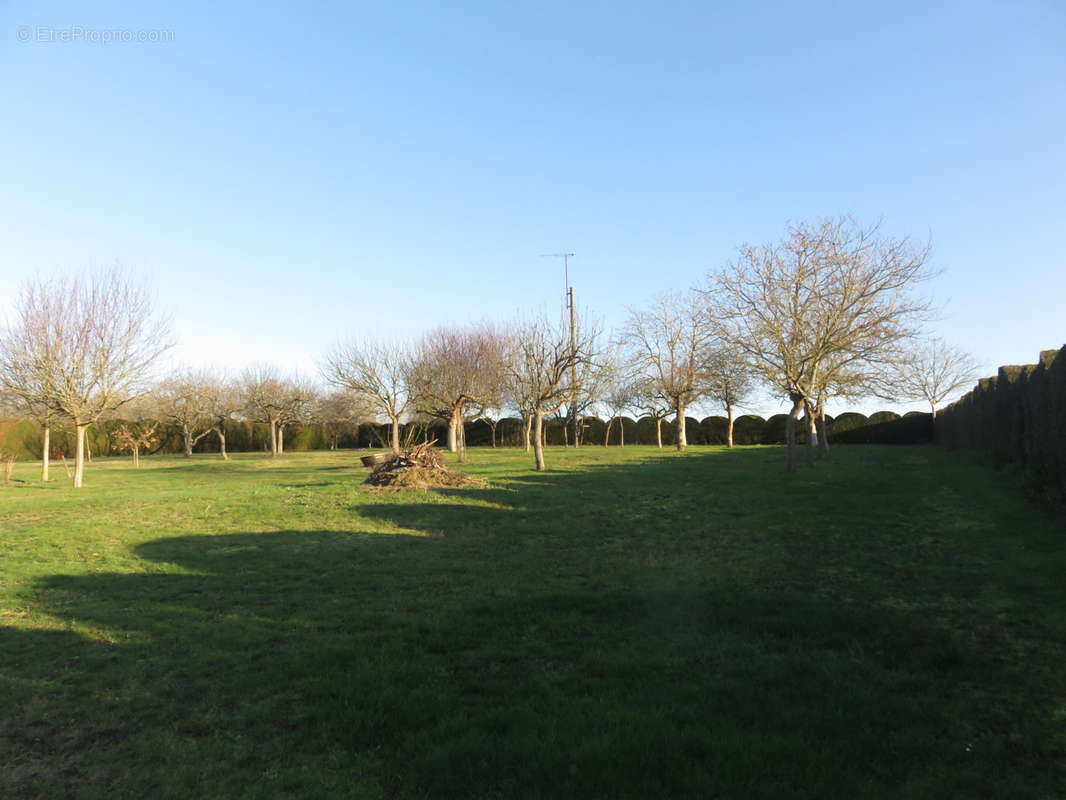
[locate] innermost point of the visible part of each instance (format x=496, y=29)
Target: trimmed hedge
x=1018, y=416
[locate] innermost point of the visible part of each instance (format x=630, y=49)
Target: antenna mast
x=574, y=425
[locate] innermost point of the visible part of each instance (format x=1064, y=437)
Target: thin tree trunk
x=493, y=426
x=790, y=431
x=933, y=407
x=222, y=442
x=823, y=435
x=607, y=433
x=136, y=454
x=453, y=436
x=682, y=440
x=281, y=438
x=79, y=454
x=812, y=437
x=460, y=434
x=188, y=443
x=46, y=452
x=621, y=432
x=394, y=434
x=659, y=432
x=273, y=439
x=538, y=446
x=566, y=435
x=729, y=430
x=528, y=427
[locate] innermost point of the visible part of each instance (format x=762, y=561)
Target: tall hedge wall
x=1018, y=415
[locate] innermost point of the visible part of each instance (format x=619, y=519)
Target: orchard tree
x=932, y=371
x=81, y=348
x=264, y=397
x=186, y=402
x=649, y=400
x=832, y=299
x=538, y=364
x=455, y=374
x=667, y=343
x=728, y=381
x=377, y=370
x=341, y=412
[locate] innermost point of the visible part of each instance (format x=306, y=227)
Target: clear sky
x=287, y=176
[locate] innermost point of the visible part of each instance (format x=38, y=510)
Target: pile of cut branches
x=420, y=467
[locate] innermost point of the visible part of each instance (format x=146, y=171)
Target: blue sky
x=287, y=176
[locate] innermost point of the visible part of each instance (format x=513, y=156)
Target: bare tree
x=222, y=402
x=455, y=373
x=186, y=401
x=538, y=364
x=378, y=370
x=619, y=394
x=81, y=348
x=263, y=393
x=298, y=399
x=342, y=412
x=933, y=371
x=832, y=299
x=650, y=400
x=728, y=380
x=667, y=343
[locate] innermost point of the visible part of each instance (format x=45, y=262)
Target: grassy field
x=632, y=623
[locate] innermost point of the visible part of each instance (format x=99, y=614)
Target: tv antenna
x=573, y=340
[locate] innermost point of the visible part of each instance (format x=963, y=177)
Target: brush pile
x=420, y=467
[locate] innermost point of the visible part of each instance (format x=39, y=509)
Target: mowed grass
x=632, y=623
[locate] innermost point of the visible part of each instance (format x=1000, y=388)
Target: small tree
x=185, y=401
x=341, y=412
x=728, y=381
x=81, y=348
x=649, y=400
x=667, y=342
x=377, y=370
x=538, y=364
x=933, y=371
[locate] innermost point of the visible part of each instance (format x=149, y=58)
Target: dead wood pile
x=421, y=467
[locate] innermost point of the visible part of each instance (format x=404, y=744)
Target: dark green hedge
x=1019, y=416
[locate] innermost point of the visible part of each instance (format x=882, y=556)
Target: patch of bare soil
x=421, y=467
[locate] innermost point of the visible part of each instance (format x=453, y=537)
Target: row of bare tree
x=830, y=311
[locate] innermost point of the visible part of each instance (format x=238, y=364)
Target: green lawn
x=631, y=623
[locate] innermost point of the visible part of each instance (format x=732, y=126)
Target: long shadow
x=589, y=633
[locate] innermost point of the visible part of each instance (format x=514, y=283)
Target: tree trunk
x=79, y=453
x=45, y=453
x=790, y=431
x=528, y=427
x=566, y=435
x=281, y=438
x=607, y=433
x=621, y=432
x=932, y=406
x=493, y=426
x=682, y=440
x=538, y=442
x=222, y=442
x=460, y=434
x=659, y=432
x=136, y=454
x=812, y=437
x=394, y=434
x=823, y=436
x=273, y=439
x=453, y=437
x=187, y=436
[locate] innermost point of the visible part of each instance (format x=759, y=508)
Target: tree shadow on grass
x=640, y=644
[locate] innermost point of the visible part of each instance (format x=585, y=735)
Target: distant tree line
x=829, y=312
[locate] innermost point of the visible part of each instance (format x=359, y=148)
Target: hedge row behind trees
x=1018, y=415
x=24, y=437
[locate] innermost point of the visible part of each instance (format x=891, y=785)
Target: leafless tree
x=619, y=394
x=834, y=298
x=81, y=348
x=341, y=412
x=223, y=403
x=538, y=366
x=377, y=370
x=667, y=342
x=649, y=400
x=455, y=373
x=264, y=397
x=186, y=400
x=728, y=381
x=298, y=399
x=933, y=371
